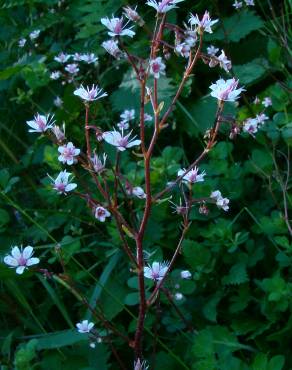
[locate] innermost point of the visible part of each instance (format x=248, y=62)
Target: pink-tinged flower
x=178, y=296
x=34, y=34
x=256, y=100
x=84, y=326
x=128, y=115
x=157, y=271
x=249, y=2
x=111, y=46
x=140, y=365
x=267, y=102
x=22, y=42
x=21, y=259
x=164, y=5
x=72, y=68
x=226, y=90
x=185, y=274
x=59, y=134
x=116, y=27
x=62, y=183
x=41, y=123
x=212, y=50
x=90, y=94
x=58, y=102
x=62, y=57
x=138, y=192
x=118, y=139
x=68, y=153
x=89, y=58
x=77, y=57
x=220, y=201
x=250, y=126
x=192, y=176
x=157, y=67
x=237, y=4
x=133, y=15
x=55, y=75
x=183, y=49
x=205, y=24
x=101, y=213
x=98, y=164
x=224, y=62
x=261, y=118
x=123, y=125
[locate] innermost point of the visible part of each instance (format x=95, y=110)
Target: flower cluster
x=220, y=201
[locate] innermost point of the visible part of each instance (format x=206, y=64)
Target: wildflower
x=261, y=118
x=203, y=209
x=147, y=117
x=250, y=126
x=128, y=115
x=226, y=90
x=224, y=62
x=138, y=192
x=59, y=134
x=111, y=46
x=92, y=345
x=88, y=94
x=62, y=57
x=183, y=49
x=21, y=259
x=72, y=68
x=84, y=326
x=68, y=152
x=55, y=75
x=203, y=25
x=212, y=50
x=62, y=183
x=185, y=274
x=157, y=271
x=256, y=100
x=138, y=365
x=178, y=296
x=237, y=4
x=156, y=67
x=267, y=101
x=22, y=42
x=164, y=5
x=101, y=213
x=41, y=123
x=58, y=102
x=77, y=57
x=249, y=2
x=116, y=27
x=220, y=201
x=118, y=139
x=89, y=58
x=192, y=176
x=123, y=125
x=97, y=163
x=34, y=34
x=133, y=15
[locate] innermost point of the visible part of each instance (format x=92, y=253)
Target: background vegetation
x=239, y=299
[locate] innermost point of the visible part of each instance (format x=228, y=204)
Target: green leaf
x=60, y=339
x=251, y=72
x=237, y=274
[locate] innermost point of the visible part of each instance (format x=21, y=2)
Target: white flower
x=34, y=34
x=138, y=365
x=21, y=42
x=68, y=152
x=138, y=192
x=62, y=57
x=98, y=164
x=111, y=46
x=123, y=125
x=250, y=126
x=77, y=57
x=84, y=326
x=261, y=118
x=118, y=139
x=147, y=117
x=185, y=274
x=157, y=271
x=55, y=75
x=224, y=62
x=88, y=94
x=203, y=25
x=226, y=90
x=156, y=67
x=41, y=123
x=62, y=183
x=72, y=68
x=212, y=50
x=183, y=49
x=267, y=101
x=128, y=115
x=164, y=5
x=21, y=259
x=178, y=296
x=192, y=176
x=58, y=102
x=89, y=58
x=237, y=4
x=249, y=2
x=220, y=201
x=116, y=27
x=133, y=15
x=101, y=213
x=59, y=134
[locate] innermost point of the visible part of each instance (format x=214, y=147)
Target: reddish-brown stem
x=142, y=117
x=87, y=135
